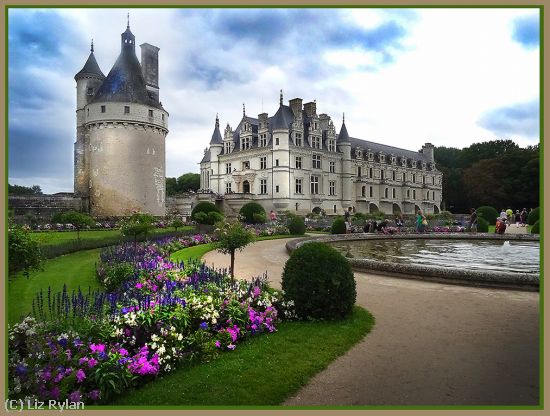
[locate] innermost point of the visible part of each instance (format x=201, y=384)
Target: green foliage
x=320, y=282
x=176, y=223
x=446, y=216
x=482, y=225
x=338, y=226
x=23, y=252
x=249, y=209
x=78, y=219
x=534, y=216
x=205, y=207
x=136, y=225
x=259, y=218
x=535, y=229
x=214, y=217
x=359, y=217
x=297, y=226
x=185, y=183
x=232, y=236
x=24, y=190
x=489, y=214
x=113, y=275
x=375, y=215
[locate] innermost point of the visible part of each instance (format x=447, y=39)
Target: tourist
x=510, y=215
x=273, y=217
x=421, y=222
x=517, y=218
x=399, y=222
x=503, y=214
x=473, y=220
x=500, y=226
x=347, y=220
x=523, y=217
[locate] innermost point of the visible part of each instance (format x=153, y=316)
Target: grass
x=74, y=270
x=262, y=371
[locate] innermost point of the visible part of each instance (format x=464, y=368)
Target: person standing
x=517, y=218
x=420, y=222
x=473, y=220
x=347, y=220
x=503, y=213
x=399, y=222
x=509, y=216
x=523, y=217
x=273, y=217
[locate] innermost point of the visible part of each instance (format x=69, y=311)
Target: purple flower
x=94, y=395
x=92, y=362
x=68, y=372
x=218, y=344
x=123, y=352
x=139, y=285
x=46, y=375
x=55, y=392
x=102, y=355
x=83, y=361
x=75, y=396
x=204, y=325
x=77, y=343
x=80, y=375
x=97, y=348
x=231, y=346
x=21, y=369
x=58, y=378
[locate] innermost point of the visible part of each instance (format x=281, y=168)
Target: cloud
x=522, y=119
x=526, y=30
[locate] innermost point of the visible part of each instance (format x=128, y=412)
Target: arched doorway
x=396, y=209
x=316, y=210
x=436, y=209
x=246, y=187
x=416, y=209
x=373, y=207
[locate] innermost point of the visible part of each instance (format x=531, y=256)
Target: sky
x=403, y=77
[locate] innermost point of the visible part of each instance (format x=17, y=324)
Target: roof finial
x=343, y=117
x=128, y=24
x=281, y=98
x=244, y=111
x=217, y=121
x=92, y=47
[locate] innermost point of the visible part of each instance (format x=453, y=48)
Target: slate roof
x=216, y=135
x=90, y=68
x=343, y=136
x=206, y=157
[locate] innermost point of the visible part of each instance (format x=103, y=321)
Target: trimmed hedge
x=488, y=213
x=297, y=226
x=205, y=207
x=338, y=226
x=249, y=209
x=534, y=216
x=320, y=282
x=482, y=225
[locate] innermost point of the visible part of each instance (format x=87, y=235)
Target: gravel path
x=433, y=344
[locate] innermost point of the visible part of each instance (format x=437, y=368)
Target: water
x=507, y=256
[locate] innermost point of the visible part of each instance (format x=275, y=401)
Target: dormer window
x=298, y=139
x=245, y=143
x=126, y=109
x=103, y=108
x=424, y=165
x=227, y=147
x=331, y=146
x=404, y=162
x=413, y=163
x=316, y=142
x=246, y=165
x=382, y=158
x=371, y=156
x=358, y=153
x=263, y=140
x=393, y=160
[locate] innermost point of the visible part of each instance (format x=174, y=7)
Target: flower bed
x=90, y=346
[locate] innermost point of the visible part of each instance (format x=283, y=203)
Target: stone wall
x=43, y=206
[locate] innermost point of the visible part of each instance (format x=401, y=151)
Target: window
x=403, y=162
x=263, y=162
x=276, y=162
x=228, y=187
x=433, y=195
x=246, y=165
x=433, y=180
x=414, y=164
x=371, y=156
x=358, y=171
x=408, y=193
x=382, y=158
x=263, y=140
x=404, y=177
x=393, y=193
x=87, y=111
x=228, y=168
x=393, y=175
x=332, y=188
x=385, y=192
x=423, y=179
x=263, y=186
x=103, y=109
x=332, y=167
x=162, y=115
x=298, y=186
x=363, y=191
x=316, y=161
x=315, y=125
x=314, y=185
x=393, y=160
x=334, y=208
x=414, y=194
x=331, y=146
x=370, y=191
x=126, y=109
x=413, y=177
x=381, y=174
x=277, y=188
x=245, y=143
x=90, y=91
x=227, y=147
x=298, y=139
x=150, y=113
x=316, y=142
x=277, y=141
x=298, y=162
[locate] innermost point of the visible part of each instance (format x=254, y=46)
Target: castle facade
x=295, y=160
x=119, y=153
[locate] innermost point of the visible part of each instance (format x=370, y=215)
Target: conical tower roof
x=343, y=137
x=216, y=135
x=90, y=67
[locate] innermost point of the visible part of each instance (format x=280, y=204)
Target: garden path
x=432, y=344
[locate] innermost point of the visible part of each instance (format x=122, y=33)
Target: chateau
x=295, y=160
x=119, y=153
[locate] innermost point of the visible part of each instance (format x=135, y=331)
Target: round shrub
x=320, y=282
x=534, y=216
x=249, y=209
x=205, y=207
x=482, y=225
x=488, y=213
x=297, y=226
x=259, y=218
x=535, y=228
x=338, y=226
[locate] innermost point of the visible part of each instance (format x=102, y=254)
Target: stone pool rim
x=483, y=278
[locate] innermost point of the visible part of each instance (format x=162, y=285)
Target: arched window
x=246, y=187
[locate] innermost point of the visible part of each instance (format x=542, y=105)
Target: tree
x=24, y=190
x=139, y=223
x=232, y=236
x=23, y=252
x=78, y=219
x=189, y=182
x=176, y=223
x=171, y=186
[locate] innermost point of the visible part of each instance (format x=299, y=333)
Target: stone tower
x=121, y=132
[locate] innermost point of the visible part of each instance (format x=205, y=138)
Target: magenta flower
x=123, y=352
x=75, y=396
x=83, y=361
x=218, y=344
x=80, y=376
x=97, y=348
x=231, y=346
x=139, y=285
x=92, y=362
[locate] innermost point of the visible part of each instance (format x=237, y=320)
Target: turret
x=88, y=80
x=344, y=146
x=216, y=142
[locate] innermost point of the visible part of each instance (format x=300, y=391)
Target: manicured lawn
x=261, y=371
x=74, y=270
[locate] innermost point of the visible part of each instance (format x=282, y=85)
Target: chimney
x=296, y=107
x=310, y=108
x=150, y=69
x=262, y=118
x=428, y=150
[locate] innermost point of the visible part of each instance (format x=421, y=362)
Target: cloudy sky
x=402, y=77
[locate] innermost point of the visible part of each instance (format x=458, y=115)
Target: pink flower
x=80, y=376
x=92, y=362
x=97, y=348
x=231, y=346
x=83, y=360
x=123, y=352
x=139, y=285
x=218, y=344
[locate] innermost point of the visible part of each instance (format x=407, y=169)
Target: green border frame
x=540, y=406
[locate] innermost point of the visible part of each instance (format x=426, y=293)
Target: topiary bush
x=488, y=213
x=320, y=282
x=535, y=228
x=338, y=226
x=205, y=207
x=297, y=226
x=259, y=218
x=249, y=209
x=482, y=225
x=534, y=216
